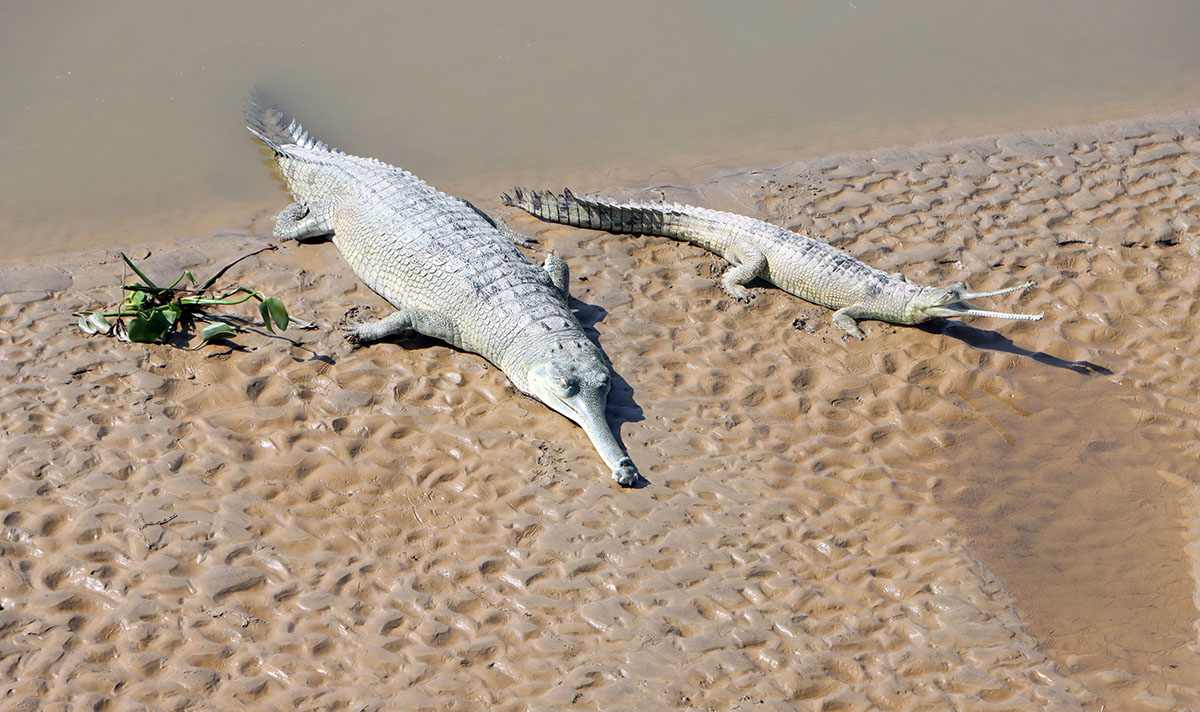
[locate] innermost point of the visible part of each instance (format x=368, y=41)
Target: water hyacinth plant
x=153, y=312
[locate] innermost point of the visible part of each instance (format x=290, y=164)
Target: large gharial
x=451, y=272
x=810, y=269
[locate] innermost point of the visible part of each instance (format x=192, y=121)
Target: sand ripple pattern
x=302, y=526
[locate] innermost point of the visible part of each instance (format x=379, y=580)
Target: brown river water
x=979, y=515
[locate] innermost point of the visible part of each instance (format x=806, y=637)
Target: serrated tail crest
x=269, y=124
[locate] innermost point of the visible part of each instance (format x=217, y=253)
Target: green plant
x=154, y=311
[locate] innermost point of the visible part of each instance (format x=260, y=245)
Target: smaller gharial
x=810, y=269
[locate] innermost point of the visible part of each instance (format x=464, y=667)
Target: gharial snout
x=956, y=304
x=589, y=413
x=580, y=392
x=626, y=473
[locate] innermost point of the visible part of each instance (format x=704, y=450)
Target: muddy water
x=977, y=516
x=1071, y=500
x=121, y=122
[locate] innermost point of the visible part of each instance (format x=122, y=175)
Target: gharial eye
x=568, y=386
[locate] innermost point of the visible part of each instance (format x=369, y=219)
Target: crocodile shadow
x=992, y=341
x=622, y=407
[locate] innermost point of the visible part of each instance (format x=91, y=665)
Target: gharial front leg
x=846, y=319
x=419, y=320
x=299, y=222
x=749, y=262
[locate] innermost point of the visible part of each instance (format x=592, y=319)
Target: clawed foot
x=740, y=293
x=845, y=320
x=352, y=336
x=286, y=220
x=351, y=327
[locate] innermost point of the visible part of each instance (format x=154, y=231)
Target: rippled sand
x=933, y=518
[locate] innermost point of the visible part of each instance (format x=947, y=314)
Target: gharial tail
x=269, y=124
x=595, y=213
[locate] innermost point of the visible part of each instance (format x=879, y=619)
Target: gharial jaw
x=579, y=390
x=951, y=301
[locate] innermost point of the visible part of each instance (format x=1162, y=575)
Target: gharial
x=451, y=272
x=807, y=268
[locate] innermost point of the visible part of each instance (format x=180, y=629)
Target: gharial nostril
x=626, y=474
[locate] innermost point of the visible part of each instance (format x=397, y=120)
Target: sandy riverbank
x=990, y=515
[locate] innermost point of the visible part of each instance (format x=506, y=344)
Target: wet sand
x=984, y=515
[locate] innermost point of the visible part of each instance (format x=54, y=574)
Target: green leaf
x=99, y=323
x=171, y=313
x=134, y=300
x=148, y=326
x=86, y=325
x=216, y=331
x=272, y=309
x=149, y=283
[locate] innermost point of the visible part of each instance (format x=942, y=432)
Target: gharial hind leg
x=560, y=274
x=299, y=222
x=749, y=263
